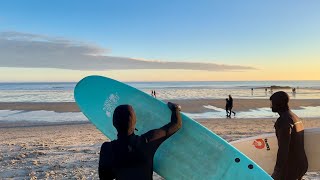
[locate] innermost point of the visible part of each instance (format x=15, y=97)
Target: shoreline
x=203, y=121
x=31, y=114
x=188, y=105
x=28, y=124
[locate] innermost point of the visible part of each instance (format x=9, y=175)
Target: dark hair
x=124, y=119
x=280, y=101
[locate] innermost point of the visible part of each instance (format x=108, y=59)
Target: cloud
x=38, y=51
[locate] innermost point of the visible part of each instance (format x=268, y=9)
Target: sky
x=167, y=40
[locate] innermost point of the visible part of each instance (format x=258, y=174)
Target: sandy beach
x=71, y=150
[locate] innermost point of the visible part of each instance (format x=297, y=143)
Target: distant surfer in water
x=131, y=156
x=292, y=161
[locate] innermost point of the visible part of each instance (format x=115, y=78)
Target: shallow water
x=215, y=112
x=40, y=116
x=63, y=92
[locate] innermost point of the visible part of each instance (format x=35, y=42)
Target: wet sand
x=190, y=106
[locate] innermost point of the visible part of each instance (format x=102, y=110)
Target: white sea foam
x=51, y=116
x=63, y=92
x=304, y=112
x=40, y=116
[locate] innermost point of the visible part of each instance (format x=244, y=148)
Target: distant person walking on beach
x=294, y=92
x=292, y=161
x=229, y=106
x=266, y=91
x=154, y=94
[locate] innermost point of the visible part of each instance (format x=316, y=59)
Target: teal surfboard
x=194, y=152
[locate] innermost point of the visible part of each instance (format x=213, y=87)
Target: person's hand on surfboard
x=173, y=106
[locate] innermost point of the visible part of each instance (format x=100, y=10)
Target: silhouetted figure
x=251, y=91
x=292, y=161
x=131, y=156
x=266, y=91
x=154, y=94
x=230, y=106
x=294, y=92
x=228, y=114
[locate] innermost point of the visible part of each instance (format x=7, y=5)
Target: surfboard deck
x=194, y=152
x=263, y=149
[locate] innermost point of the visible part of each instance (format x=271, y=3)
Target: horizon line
x=2, y=82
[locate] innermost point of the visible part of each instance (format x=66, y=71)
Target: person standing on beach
x=292, y=161
x=294, y=92
x=227, y=108
x=131, y=156
x=231, y=106
x=154, y=94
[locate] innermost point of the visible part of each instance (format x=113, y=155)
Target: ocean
x=63, y=91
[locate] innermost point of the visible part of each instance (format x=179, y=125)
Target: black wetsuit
x=131, y=157
x=227, y=107
x=292, y=161
x=230, y=105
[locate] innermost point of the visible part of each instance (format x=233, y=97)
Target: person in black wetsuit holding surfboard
x=292, y=161
x=131, y=156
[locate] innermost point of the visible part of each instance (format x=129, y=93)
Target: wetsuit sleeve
x=157, y=136
x=105, y=169
x=284, y=136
